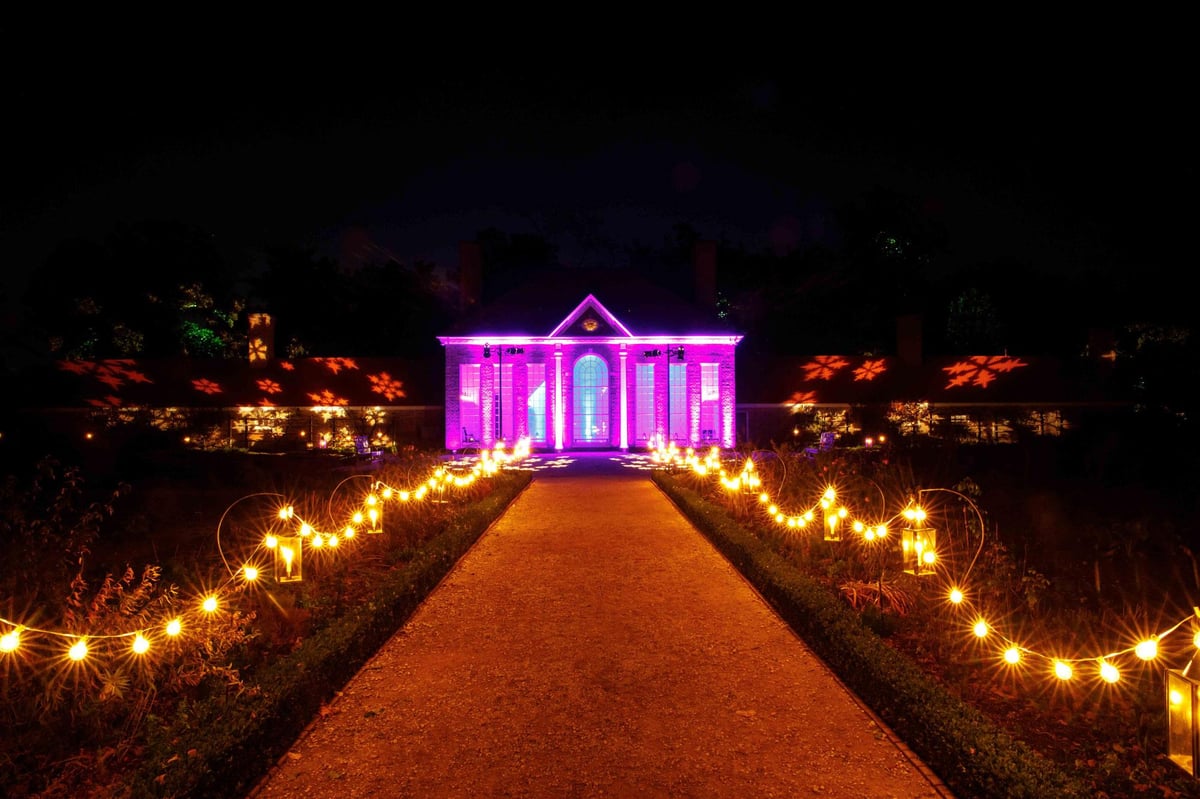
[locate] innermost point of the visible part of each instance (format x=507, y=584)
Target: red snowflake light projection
x=207, y=386
x=114, y=372
x=824, y=367
x=287, y=366
x=336, y=365
x=870, y=370
x=803, y=398
x=268, y=386
x=980, y=370
x=383, y=383
x=327, y=399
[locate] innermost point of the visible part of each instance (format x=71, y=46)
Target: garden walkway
x=594, y=644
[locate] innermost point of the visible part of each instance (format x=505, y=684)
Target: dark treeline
x=167, y=289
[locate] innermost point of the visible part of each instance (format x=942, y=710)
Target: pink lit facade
x=590, y=384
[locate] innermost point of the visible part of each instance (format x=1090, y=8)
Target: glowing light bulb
x=174, y=627
x=78, y=650
x=881, y=531
x=251, y=573
x=774, y=509
x=1063, y=671
x=1196, y=639
x=357, y=518
x=209, y=605
x=763, y=497
x=348, y=532
x=333, y=541
x=956, y=596
x=1176, y=699
x=980, y=629
x=929, y=556
x=1108, y=672
x=10, y=641
x=140, y=645
x=318, y=542
x=270, y=542
x=306, y=529
x=1147, y=650
x=1012, y=655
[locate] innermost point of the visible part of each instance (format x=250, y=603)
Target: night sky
x=1088, y=166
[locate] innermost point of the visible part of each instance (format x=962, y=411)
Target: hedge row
x=222, y=746
x=972, y=755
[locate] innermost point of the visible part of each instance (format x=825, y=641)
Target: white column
x=558, y=399
x=624, y=402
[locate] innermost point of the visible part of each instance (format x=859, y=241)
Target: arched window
x=590, y=417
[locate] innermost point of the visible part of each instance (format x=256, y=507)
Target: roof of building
x=539, y=306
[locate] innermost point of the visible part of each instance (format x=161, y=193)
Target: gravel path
x=593, y=644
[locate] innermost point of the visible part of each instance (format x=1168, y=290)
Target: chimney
x=470, y=275
x=704, y=262
x=261, y=339
x=908, y=339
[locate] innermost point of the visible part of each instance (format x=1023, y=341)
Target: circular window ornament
x=590, y=325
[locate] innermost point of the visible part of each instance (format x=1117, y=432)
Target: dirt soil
x=593, y=644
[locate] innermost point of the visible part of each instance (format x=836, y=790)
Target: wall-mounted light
x=487, y=350
x=515, y=350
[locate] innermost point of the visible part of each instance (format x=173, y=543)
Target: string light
x=925, y=554
x=78, y=647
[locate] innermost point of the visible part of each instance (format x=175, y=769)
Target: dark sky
x=1090, y=164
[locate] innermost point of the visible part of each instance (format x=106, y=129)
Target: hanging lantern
x=833, y=524
x=288, y=557
x=1183, y=706
x=1183, y=742
x=917, y=546
x=373, y=514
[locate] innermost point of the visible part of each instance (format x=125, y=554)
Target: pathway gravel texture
x=594, y=644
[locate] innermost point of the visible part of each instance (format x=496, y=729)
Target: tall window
x=590, y=387
x=470, y=413
x=643, y=420
x=709, y=407
x=503, y=388
x=678, y=397
x=536, y=403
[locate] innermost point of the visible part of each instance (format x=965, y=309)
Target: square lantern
x=288, y=558
x=917, y=549
x=1183, y=742
x=371, y=515
x=833, y=524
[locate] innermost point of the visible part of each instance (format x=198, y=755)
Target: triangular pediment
x=590, y=318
